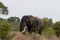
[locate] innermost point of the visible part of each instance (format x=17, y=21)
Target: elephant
x=33, y=24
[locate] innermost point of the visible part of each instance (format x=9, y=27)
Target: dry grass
x=27, y=36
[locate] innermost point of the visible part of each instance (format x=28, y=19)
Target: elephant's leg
x=29, y=29
x=40, y=31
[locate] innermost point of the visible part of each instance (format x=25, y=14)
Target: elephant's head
x=24, y=22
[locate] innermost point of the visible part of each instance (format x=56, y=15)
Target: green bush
x=14, y=26
x=4, y=29
x=57, y=28
x=49, y=31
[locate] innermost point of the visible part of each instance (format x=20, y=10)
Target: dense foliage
x=13, y=19
x=48, y=27
x=3, y=9
x=4, y=29
x=57, y=28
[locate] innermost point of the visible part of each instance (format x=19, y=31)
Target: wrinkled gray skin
x=32, y=23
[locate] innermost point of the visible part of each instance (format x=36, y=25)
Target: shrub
x=49, y=31
x=57, y=28
x=5, y=30
x=14, y=26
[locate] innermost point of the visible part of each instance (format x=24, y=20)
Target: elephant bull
x=33, y=24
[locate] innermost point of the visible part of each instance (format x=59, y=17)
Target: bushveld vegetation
x=13, y=24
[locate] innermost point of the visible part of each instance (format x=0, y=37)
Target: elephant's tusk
x=25, y=28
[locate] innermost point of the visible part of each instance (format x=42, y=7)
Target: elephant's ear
x=32, y=21
x=27, y=21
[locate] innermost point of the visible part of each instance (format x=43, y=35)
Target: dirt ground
x=20, y=36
